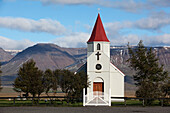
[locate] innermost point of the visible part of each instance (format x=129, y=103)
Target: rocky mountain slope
x=5, y=56
x=119, y=58
x=45, y=55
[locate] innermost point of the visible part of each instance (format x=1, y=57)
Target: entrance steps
x=96, y=99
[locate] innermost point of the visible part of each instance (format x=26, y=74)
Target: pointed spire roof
x=98, y=33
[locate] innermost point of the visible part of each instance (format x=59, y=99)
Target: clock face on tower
x=98, y=66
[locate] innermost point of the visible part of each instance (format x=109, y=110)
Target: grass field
x=57, y=103
x=135, y=103
x=42, y=103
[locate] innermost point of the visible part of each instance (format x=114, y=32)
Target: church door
x=98, y=86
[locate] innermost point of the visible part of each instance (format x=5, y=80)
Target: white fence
x=96, y=98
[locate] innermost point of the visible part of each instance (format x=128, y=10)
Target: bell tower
x=98, y=59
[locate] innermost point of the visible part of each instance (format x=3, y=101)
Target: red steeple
x=98, y=33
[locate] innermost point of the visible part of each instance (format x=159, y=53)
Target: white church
x=105, y=79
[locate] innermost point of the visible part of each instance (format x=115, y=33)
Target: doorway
x=98, y=86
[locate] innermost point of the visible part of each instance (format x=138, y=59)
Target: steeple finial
x=98, y=10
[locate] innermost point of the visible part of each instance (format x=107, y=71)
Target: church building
x=105, y=79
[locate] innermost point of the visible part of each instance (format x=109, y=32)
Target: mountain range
x=51, y=56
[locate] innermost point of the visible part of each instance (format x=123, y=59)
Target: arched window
x=98, y=46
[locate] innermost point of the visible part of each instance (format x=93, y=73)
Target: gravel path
x=84, y=109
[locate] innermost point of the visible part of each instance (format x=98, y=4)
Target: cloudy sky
x=69, y=23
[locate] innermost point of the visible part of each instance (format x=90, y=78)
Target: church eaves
x=98, y=33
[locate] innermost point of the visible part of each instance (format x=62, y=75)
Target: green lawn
x=128, y=102
x=137, y=103
x=7, y=103
x=57, y=103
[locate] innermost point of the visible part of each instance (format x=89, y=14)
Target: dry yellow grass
x=130, y=94
x=8, y=92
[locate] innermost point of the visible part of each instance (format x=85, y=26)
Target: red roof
x=98, y=33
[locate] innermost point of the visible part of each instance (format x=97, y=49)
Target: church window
x=98, y=46
x=98, y=66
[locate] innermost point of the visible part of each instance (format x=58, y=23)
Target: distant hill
x=119, y=58
x=5, y=56
x=45, y=55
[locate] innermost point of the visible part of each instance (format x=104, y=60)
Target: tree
x=0, y=77
x=66, y=83
x=30, y=79
x=80, y=82
x=166, y=88
x=56, y=75
x=48, y=76
x=73, y=84
x=150, y=76
x=51, y=80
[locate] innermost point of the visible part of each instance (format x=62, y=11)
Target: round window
x=98, y=66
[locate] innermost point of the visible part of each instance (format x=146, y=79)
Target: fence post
x=125, y=101
x=14, y=101
x=110, y=97
x=143, y=102
x=32, y=101
x=162, y=102
x=83, y=96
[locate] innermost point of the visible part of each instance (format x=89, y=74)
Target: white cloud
x=126, y=5
x=159, y=40
x=29, y=25
x=154, y=22
x=114, y=29
x=118, y=38
x=129, y=5
x=123, y=4
x=73, y=40
x=70, y=2
x=9, y=44
x=165, y=3
x=124, y=39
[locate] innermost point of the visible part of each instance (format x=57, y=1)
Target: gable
x=115, y=69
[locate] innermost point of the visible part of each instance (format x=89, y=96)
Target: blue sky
x=69, y=23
